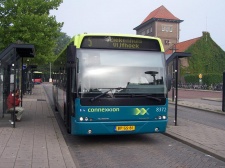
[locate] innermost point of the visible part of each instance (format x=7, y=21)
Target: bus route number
x=160, y=109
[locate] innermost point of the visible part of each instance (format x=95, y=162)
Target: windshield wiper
x=139, y=95
x=147, y=96
x=104, y=93
x=154, y=98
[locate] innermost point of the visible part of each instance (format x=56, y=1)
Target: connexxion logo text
x=104, y=110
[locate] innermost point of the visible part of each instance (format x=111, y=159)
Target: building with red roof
x=206, y=55
x=163, y=24
x=182, y=46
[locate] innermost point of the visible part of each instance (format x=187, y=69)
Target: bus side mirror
x=71, y=54
x=168, y=83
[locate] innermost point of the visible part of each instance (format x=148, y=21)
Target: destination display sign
x=118, y=42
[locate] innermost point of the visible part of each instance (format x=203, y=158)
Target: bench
x=10, y=111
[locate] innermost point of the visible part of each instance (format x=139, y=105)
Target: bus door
x=70, y=85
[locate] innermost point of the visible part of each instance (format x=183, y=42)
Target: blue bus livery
x=111, y=84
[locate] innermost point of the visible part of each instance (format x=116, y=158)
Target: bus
x=37, y=77
x=93, y=90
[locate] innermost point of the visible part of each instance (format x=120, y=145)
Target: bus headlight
x=161, y=118
x=86, y=119
x=81, y=119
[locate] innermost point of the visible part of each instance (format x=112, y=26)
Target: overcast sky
x=121, y=16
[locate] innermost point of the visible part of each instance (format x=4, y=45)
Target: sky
x=122, y=16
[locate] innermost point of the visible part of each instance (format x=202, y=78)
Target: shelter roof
x=15, y=51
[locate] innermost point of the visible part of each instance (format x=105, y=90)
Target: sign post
x=223, y=96
x=200, y=78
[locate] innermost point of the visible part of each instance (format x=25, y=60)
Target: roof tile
x=183, y=46
x=160, y=13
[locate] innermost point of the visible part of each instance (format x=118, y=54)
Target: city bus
x=37, y=77
x=94, y=90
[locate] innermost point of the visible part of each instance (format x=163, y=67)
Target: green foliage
x=207, y=57
x=29, y=22
x=62, y=41
x=191, y=78
x=210, y=78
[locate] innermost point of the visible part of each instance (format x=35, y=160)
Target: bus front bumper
x=119, y=127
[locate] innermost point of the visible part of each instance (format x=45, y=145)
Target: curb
x=194, y=146
x=208, y=110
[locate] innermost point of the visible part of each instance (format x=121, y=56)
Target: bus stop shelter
x=12, y=70
x=174, y=57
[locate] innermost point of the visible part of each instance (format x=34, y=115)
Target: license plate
x=125, y=128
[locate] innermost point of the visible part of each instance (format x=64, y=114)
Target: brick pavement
x=202, y=137
x=37, y=140
x=200, y=104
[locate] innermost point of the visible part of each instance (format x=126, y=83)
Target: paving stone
x=36, y=141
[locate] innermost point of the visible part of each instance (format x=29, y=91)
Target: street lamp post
x=50, y=78
x=174, y=49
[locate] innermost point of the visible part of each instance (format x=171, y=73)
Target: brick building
x=163, y=24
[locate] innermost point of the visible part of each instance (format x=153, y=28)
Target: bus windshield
x=135, y=72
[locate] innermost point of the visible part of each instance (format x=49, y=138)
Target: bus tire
x=66, y=121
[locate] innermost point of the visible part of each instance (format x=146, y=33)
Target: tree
x=62, y=41
x=30, y=22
